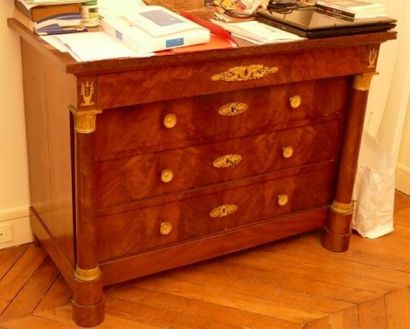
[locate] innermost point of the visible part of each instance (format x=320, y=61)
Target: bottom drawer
x=134, y=231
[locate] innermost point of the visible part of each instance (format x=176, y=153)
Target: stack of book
x=352, y=9
x=49, y=17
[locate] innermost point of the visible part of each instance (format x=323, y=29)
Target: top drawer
x=158, y=82
x=166, y=125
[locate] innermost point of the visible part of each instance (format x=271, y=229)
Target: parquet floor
x=289, y=284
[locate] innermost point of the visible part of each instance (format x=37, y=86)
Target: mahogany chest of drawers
x=141, y=165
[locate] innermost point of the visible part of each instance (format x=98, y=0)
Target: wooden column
x=338, y=227
x=88, y=297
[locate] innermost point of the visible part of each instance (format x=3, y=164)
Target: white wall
x=398, y=106
x=14, y=195
x=392, y=123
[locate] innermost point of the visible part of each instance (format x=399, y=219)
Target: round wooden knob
x=295, y=101
x=167, y=175
x=165, y=228
x=283, y=200
x=287, y=152
x=170, y=120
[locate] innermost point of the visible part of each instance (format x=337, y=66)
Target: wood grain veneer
x=129, y=232
x=128, y=179
x=153, y=261
x=140, y=86
x=198, y=119
x=96, y=194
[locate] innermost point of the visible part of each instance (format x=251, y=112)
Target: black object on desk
x=309, y=22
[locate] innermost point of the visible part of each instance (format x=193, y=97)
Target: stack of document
x=91, y=46
x=145, y=30
x=258, y=33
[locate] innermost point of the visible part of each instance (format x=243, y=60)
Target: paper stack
x=91, y=46
x=146, y=30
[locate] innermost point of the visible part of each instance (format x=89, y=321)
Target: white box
x=155, y=28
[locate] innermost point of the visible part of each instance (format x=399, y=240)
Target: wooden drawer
x=140, y=129
x=173, y=81
x=128, y=179
x=130, y=232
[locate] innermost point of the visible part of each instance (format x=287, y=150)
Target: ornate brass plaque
x=232, y=109
x=87, y=93
x=372, y=58
x=245, y=73
x=223, y=211
x=227, y=161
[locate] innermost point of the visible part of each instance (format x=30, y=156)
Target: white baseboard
x=15, y=223
x=403, y=178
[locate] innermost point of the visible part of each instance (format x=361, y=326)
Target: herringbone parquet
x=289, y=284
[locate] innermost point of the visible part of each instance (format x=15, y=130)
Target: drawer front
x=130, y=232
x=165, y=125
x=172, y=82
x=128, y=179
